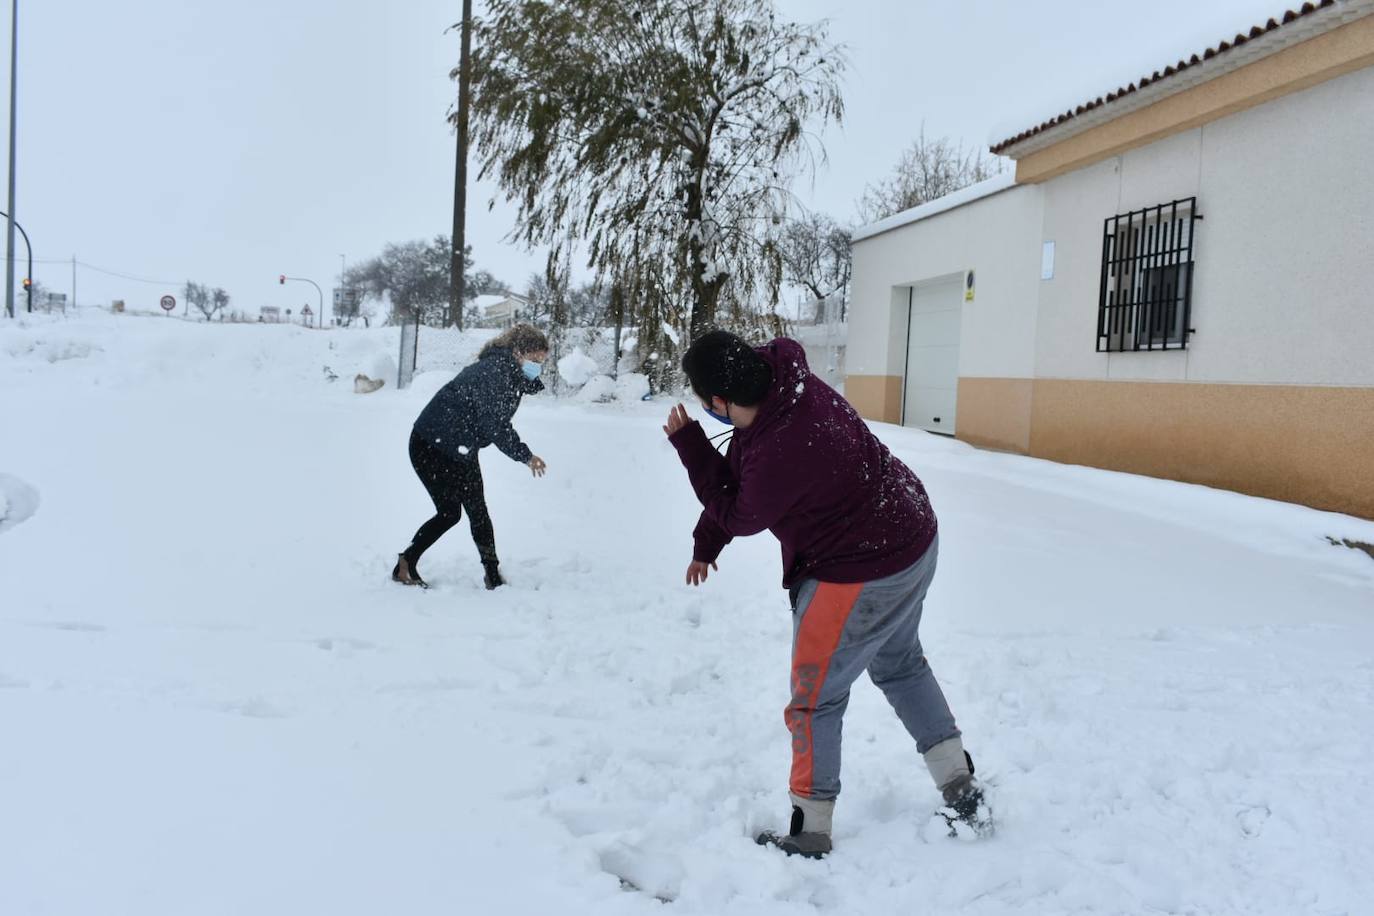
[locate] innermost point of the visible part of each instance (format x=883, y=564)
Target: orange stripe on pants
x=822, y=624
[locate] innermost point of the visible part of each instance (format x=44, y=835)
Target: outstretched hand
x=537, y=466
x=677, y=419
x=697, y=572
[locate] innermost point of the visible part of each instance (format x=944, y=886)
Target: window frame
x=1137, y=307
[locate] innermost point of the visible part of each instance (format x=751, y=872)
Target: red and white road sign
x=168, y=303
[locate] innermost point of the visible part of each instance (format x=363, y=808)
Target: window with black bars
x=1147, y=278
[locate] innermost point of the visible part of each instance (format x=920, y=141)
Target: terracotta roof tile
x=1289, y=17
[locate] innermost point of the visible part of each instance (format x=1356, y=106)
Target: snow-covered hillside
x=213, y=701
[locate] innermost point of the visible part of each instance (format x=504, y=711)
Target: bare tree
x=927, y=170
x=539, y=297
x=209, y=302
x=413, y=275
x=816, y=255
x=219, y=301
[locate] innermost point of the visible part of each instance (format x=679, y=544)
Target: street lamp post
x=14, y=98
x=29, y=248
x=282, y=278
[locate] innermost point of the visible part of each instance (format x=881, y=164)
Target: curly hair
x=521, y=338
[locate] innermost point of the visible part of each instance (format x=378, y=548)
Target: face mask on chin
x=724, y=418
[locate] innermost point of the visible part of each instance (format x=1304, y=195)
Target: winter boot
x=952, y=769
x=809, y=834
x=492, y=576
x=404, y=573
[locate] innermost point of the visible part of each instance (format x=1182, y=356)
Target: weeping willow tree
x=655, y=132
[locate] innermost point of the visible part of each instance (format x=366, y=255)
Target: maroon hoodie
x=809, y=470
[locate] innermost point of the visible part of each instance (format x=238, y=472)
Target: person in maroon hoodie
x=859, y=544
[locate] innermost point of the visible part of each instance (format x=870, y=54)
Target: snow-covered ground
x=212, y=701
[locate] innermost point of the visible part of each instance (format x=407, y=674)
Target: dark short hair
x=722, y=365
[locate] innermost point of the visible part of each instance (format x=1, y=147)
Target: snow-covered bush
x=632, y=386
x=598, y=389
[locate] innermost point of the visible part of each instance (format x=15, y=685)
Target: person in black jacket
x=466, y=415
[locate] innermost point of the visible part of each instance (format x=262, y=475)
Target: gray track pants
x=839, y=631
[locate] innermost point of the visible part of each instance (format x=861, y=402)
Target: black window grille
x=1146, y=298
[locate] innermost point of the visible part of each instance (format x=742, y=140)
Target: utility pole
x=14, y=98
x=460, y=180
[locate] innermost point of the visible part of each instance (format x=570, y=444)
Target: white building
x=500, y=311
x=1172, y=283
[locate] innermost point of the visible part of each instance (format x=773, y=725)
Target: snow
x=577, y=368
x=212, y=700
x=631, y=386
x=18, y=501
x=994, y=185
x=598, y=389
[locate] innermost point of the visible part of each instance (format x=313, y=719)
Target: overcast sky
x=231, y=142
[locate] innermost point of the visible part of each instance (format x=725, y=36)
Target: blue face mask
x=531, y=369
x=724, y=419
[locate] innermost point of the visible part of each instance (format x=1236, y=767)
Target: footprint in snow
x=337, y=643
x=435, y=685
x=1252, y=820
x=18, y=501
x=72, y=626
x=658, y=875
x=252, y=708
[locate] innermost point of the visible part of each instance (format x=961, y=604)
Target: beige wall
x=1311, y=445
x=877, y=397
x=996, y=413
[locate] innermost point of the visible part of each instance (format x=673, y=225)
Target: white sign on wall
x=1047, y=261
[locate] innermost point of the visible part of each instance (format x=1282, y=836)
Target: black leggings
x=454, y=484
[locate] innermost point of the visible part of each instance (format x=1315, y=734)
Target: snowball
x=577, y=368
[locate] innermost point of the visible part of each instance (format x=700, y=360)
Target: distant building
x=500, y=310
x=1170, y=284
x=270, y=314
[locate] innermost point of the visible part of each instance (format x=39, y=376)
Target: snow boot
x=808, y=835
x=491, y=577
x=404, y=573
x=966, y=810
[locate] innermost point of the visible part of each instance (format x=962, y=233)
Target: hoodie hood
x=787, y=359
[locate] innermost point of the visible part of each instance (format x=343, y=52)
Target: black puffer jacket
x=475, y=409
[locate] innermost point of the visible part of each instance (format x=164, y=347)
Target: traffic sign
x=168, y=303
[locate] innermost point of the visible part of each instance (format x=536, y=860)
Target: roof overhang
x=1276, y=37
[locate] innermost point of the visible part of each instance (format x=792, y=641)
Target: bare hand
x=697, y=572
x=677, y=419
x=537, y=466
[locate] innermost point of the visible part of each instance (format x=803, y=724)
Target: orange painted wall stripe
x=819, y=635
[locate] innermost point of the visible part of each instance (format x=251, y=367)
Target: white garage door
x=932, y=361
